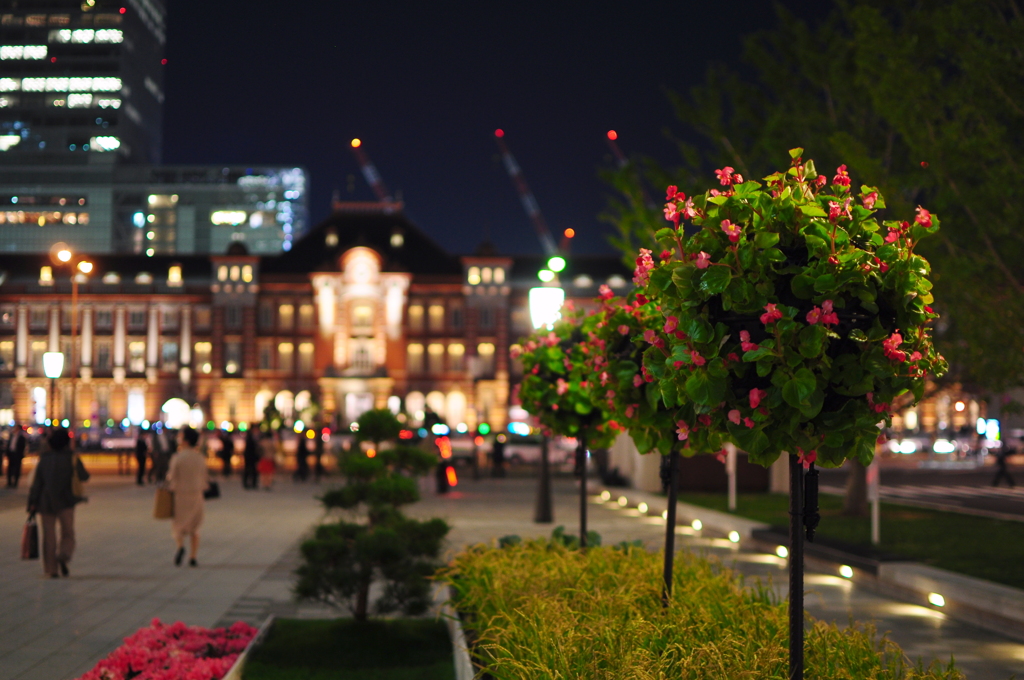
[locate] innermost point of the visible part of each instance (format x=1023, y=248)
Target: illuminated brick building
x=364, y=311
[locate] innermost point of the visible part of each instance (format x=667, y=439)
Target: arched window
x=436, y=403
x=415, y=405
x=284, y=402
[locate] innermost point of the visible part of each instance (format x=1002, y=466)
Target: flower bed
x=537, y=610
x=174, y=652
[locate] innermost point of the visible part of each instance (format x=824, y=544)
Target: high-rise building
x=81, y=78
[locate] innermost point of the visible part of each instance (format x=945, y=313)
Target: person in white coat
x=187, y=478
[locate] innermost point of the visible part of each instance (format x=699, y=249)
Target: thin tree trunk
x=796, y=568
x=362, y=601
x=855, y=503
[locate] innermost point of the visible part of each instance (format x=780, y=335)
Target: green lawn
x=395, y=649
x=986, y=548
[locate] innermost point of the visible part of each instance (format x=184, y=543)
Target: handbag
x=212, y=491
x=163, y=505
x=30, y=539
x=78, y=477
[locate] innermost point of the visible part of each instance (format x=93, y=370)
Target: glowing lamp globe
x=53, y=364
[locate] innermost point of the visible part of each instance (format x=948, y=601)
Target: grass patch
x=986, y=548
x=390, y=649
x=539, y=611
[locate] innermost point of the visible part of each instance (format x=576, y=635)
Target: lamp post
x=62, y=254
x=53, y=365
x=545, y=310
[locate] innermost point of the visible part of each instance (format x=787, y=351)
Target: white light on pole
x=546, y=306
x=53, y=364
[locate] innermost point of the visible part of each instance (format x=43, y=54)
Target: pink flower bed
x=174, y=652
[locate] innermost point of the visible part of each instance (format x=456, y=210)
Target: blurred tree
x=924, y=100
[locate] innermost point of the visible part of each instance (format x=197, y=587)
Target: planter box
x=460, y=648
x=235, y=673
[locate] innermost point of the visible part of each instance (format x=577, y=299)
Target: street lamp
x=62, y=254
x=545, y=309
x=53, y=365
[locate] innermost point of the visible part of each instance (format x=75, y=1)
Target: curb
x=987, y=605
x=460, y=648
x=235, y=672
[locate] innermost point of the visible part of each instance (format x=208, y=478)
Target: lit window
x=228, y=217
x=232, y=357
x=499, y=275
x=6, y=355
x=104, y=143
x=456, y=352
x=485, y=351
x=286, y=317
x=222, y=273
x=61, y=36
x=485, y=275
x=46, y=276
x=33, y=84
x=106, y=84
x=436, y=315
x=416, y=318
x=414, y=358
x=306, y=317
x=169, y=356
x=362, y=317
x=247, y=273
x=23, y=52
x=9, y=84
x=109, y=35
x=80, y=85
x=83, y=35
x=108, y=103
x=435, y=357
x=111, y=278
x=56, y=84
x=306, y=358
x=174, y=275
x=235, y=272
x=8, y=141
x=473, y=276
x=203, y=350
x=285, y=356
x=143, y=278
x=137, y=357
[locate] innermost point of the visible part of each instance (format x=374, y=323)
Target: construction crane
x=623, y=162
x=526, y=196
x=370, y=173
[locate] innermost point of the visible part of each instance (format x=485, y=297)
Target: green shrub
x=540, y=610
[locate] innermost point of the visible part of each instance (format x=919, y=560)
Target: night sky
x=425, y=85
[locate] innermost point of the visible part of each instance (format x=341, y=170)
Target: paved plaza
x=122, y=575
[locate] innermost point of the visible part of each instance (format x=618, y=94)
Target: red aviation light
x=613, y=135
x=499, y=133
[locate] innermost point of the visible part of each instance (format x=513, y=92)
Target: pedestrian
x=498, y=457
x=318, y=453
x=15, y=454
x=250, y=457
x=52, y=497
x=302, y=451
x=267, y=466
x=1001, y=470
x=187, y=478
x=227, y=449
x=161, y=455
x=141, y=455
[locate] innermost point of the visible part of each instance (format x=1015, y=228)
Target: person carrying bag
x=53, y=496
x=30, y=539
x=163, y=504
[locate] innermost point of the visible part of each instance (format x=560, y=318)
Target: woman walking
x=52, y=497
x=187, y=478
x=267, y=465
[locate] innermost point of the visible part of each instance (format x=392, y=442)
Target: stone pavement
x=122, y=575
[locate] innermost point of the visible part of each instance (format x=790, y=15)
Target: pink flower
x=721, y=456
x=828, y=315
x=731, y=356
x=835, y=210
x=703, y=260
x=697, y=358
x=771, y=314
x=665, y=255
x=644, y=265
x=869, y=200
x=624, y=329
x=745, y=342
x=814, y=316
x=561, y=387
x=605, y=292
x=704, y=419
x=734, y=416
x=725, y=176
x=821, y=181
x=756, y=396
x=748, y=422
x=515, y=351
x=671, y=323
x=806, y=459
x=673, y=192
x=652, y=338
x=924, y=218
x=915, y=357
x=688, y=211
x=883, y=267
x=630, y=410
x=683, y=430
x=892, y=236
x=638, y=380
x=731, y=230
x=842, y=177
x=891, y=348
x=672, y=213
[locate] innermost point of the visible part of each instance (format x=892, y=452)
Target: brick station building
x=364, y=311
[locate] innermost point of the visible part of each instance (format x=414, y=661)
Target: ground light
x=697, y=525
x=734, y=536
x=782, y=551
x=846, y=571
x=622, y=501
x=606, y=495
x=936, y=599
x=642, y=508
x=664, y=514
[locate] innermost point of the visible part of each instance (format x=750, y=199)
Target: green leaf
x=759, y=353
x=751, y=440
x=825, y=283
x=812, y=339
x=660, y=278
x=698, y=329
x=766, y=239
x=802, y=286
x=665, y=234
x=705, y=389
x=796, y=153
x=797, y=390
x=715, y=279
x=813, y=211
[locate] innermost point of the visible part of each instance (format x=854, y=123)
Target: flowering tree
x=792, y=318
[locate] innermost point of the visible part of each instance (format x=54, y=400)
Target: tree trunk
x=856, y=501
x=362, y=601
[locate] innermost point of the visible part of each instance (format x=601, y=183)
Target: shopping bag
x=163, y=506
x=78, y=478
x=30, y=539
x=212, y=491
